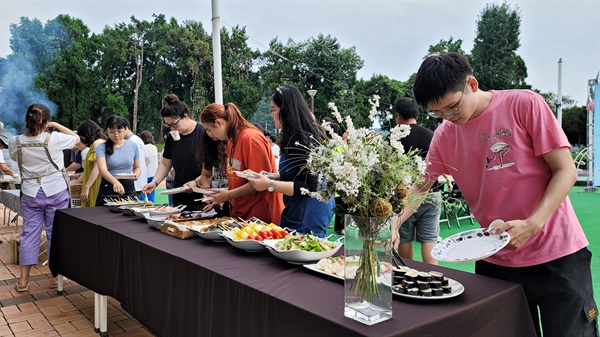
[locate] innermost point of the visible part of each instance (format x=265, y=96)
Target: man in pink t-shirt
x=511, y=159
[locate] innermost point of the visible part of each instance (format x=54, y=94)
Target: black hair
x=214, y=152
x=295, y=116
x=147, y=137
x=439, y=75
x=113, y=122
x=89, y=132
x=407, y=108
x=174, y=108
x=37, y=117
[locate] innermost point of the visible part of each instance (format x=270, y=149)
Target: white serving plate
x=313, y=267
x=176, y=190
x=247, y=245
x=212, y=235
x=202, y=191
x=154, y=222
x=470, y=245
x=299, y=256
x=172, y=210
x=457, y=289
x=244, y=175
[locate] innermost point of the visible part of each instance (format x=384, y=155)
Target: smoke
x=17, y=77
x=18, y=74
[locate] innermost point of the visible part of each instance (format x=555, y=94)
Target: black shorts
x=560, y=289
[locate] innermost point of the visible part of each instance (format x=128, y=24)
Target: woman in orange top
x=247, y=149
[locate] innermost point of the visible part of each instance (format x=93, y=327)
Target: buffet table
x=196, y=287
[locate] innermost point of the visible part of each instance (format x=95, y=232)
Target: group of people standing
x=221, y=140
x=547, y=253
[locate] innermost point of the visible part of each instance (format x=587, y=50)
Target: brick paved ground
x=40, y=311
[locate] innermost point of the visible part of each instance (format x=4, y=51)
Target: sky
x=391, y=37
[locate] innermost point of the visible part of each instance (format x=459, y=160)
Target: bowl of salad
x=302, y=249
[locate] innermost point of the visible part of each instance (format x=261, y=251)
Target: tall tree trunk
x=139, y=60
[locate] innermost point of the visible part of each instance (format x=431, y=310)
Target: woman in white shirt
x=148, y=140
x=44, y=186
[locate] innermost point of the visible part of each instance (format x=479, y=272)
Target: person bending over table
x=183, y=153
x=117, y=156
x=247, y=149
x=44, y=186
x=511, y=159
x=303, y=213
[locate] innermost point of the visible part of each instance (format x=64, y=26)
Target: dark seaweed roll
x=437, y=276
x=411, y=275
x=435, y=284
x=425, y=292
x=437, y=291
x=445, y=281
x=412, y=291
x=399, y=289
x=425, y=277
x=447, y=289
x=408, y=284
x=422, y=285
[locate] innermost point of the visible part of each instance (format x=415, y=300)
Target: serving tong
x=397, y=259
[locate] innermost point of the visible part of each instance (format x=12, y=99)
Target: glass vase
x=368, y=269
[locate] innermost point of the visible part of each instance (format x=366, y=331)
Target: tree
x=319, y=63
x=493, y=58
x=574, y=123
x=446, y=46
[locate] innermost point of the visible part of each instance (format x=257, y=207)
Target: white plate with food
x=202, y=190
x=213, y=232
x=176, y=190
x=247, y=245
x=470, y=245
x=298, y=256
x=164, y=211
x=456, y=289
x=245, y=174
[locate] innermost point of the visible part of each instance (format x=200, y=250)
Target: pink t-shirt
x=496, y=160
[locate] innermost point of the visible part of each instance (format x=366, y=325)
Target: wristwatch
x=271, y=187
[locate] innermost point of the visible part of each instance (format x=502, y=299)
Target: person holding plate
x=117, y=156
x=247, y=149
x=292, y=115
x=511, y=159
x=183, y=152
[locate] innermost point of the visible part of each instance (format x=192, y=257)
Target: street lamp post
x=312, y=93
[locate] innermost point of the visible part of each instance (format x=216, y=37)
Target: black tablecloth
x=196, y=287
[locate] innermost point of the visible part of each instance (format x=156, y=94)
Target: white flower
x=335, y=112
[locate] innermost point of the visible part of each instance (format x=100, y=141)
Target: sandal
x=19, y=289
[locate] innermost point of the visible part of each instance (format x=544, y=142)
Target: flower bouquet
x=371, y=176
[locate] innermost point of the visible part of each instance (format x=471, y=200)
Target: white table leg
x=100, y=314
x=59, y=285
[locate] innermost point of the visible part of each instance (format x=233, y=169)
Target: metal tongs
x=396, y=257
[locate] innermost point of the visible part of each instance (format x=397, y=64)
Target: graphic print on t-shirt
x=495, y=160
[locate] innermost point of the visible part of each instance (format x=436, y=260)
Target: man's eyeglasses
x=173, y=125
x=453, y=111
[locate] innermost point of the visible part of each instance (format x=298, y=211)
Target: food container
x=296, y=256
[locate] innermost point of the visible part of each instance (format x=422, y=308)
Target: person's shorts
x=424, y=224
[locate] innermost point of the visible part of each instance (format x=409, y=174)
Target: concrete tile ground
x=40, y=311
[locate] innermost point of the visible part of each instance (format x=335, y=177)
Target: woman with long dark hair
x=299, y=130
x=91, y=136
x=117, y=156
x=247, y=149
x=45, y=185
